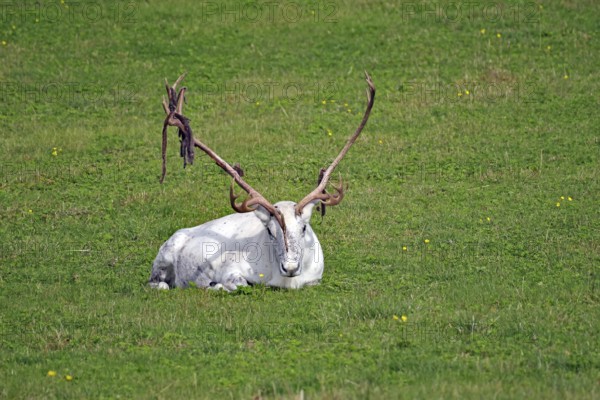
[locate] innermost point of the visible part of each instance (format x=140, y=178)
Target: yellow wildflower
x=404, y=248
x=51, y=373
x=404, y=318
x=426, y=241
x=498, y=35
x=482, y=31
x=68, y=378
x=395, y=317
x=570, y=198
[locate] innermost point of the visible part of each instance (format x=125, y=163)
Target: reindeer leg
x=232, y=283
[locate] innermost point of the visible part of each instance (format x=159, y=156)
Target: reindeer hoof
x=216, y=286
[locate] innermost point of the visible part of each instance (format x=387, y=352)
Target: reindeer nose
x=290, y=268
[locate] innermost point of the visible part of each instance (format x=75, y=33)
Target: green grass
x=502, y=302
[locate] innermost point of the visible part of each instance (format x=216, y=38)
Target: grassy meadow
x=463, y=263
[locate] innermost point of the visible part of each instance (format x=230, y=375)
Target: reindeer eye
x=304, y=229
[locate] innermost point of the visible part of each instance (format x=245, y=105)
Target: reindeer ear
x=262, y=214
x=308, y=209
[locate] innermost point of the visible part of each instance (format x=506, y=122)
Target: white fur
x=238, y=250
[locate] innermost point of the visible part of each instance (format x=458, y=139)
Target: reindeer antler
x=173, y=108
x=320, y=192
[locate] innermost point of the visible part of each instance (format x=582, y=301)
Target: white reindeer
x=260, y=243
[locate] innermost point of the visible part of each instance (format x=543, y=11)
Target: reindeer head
x=290, y=239
x=287, y=223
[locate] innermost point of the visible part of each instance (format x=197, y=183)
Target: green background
x=472, y=206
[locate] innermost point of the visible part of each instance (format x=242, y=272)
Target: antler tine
x=248, y=203
x=178, y=81
x=329, y=199
x=244, y=207
x=165, y=105
x=241, y=208
x=335, y=199
x=180, y=100
x=317, y=193
x=175, y=98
